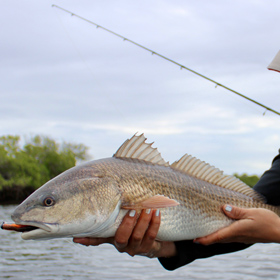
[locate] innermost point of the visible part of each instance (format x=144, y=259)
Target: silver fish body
x=91, y=199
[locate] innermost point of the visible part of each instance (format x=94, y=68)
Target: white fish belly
x=188, y=225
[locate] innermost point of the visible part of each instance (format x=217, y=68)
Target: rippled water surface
x=61, y=259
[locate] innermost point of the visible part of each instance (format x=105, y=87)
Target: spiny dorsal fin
x=137, y=148
x=204, y=171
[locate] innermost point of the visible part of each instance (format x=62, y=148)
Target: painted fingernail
x=157, y=213
x=148, y=211
x=228, y=208
x=132, y=213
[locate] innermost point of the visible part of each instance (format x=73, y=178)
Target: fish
x=91, y=199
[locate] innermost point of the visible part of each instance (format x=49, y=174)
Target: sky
x=66, y=79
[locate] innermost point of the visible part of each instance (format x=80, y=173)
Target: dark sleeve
x=269, y=183
x=187, y=251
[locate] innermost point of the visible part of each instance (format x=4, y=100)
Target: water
x=62, y=259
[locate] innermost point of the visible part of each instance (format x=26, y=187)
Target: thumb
x=234, y=212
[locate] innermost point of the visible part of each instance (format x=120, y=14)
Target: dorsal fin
x=204, y=171
x=137, y=148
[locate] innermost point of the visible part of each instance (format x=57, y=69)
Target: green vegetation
x=25, y=168
x=249, y=180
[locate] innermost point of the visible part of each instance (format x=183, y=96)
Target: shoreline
x=14, y=195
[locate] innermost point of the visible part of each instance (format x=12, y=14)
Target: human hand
x=136, y=237
x=256, y=225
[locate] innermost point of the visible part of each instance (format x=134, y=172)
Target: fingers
x=216, y=237
x=151, y=233
x=235, y=213
x=139, y=238
x=87, y=241
x=229, y=233
x=145, y=231
x=125, y=230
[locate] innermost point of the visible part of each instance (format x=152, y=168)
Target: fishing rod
x=170, y=60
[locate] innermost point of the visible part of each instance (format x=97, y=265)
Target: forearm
x=187, y=252
x=269, y=183
x=273, y=234
x=166, y=250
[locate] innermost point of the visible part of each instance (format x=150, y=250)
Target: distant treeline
x=26, y=167
x=249, y=180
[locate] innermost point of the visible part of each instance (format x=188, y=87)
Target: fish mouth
x=37, y=230
x=26, y=226
x=17, y=227
x=31, y=230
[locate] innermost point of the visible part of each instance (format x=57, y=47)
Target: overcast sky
x=64, y=78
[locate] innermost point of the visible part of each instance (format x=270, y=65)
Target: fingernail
x=157, y=213
x=228, y=208
x=148, y=211
x=196, y=242
x=132, y=213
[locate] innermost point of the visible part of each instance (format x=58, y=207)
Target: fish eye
x=49, y=201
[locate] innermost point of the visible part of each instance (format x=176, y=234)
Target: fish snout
x=16, y=217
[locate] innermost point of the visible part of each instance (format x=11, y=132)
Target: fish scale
x=200, y=202
x=91, y=199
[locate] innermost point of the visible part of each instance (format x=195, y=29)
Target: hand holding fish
x=136, y=237
x=251, y=226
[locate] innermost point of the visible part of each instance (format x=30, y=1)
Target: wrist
x=277, y=232
x=167, y=250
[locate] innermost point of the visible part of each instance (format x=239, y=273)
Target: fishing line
x=89, y=69
x=79, y=247
x=217, y=84
x=86, y=250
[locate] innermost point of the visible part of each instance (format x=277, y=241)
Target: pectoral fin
x=154, y=202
